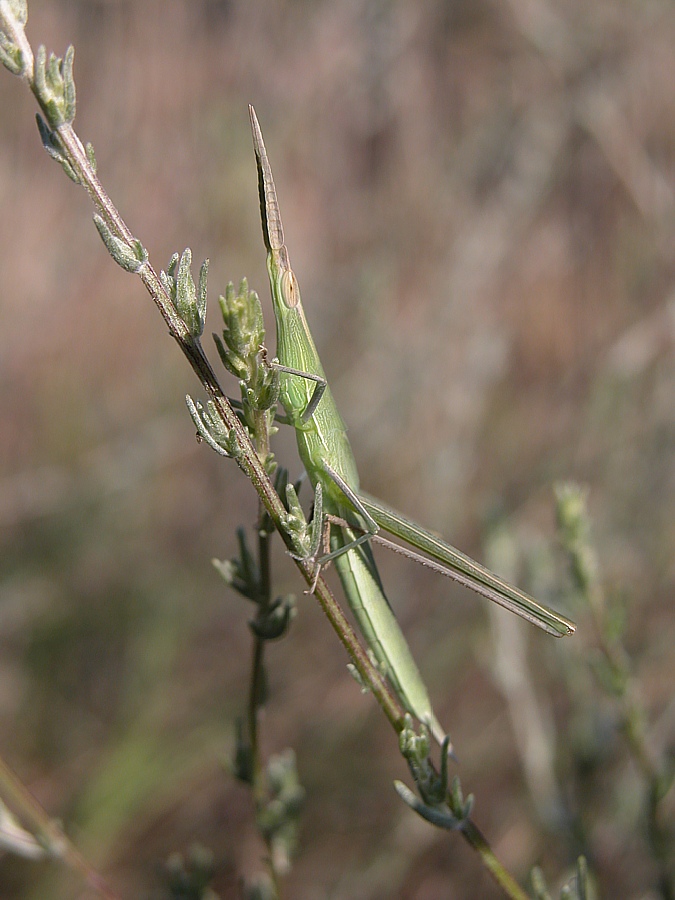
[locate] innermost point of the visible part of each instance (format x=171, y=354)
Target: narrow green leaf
x=89, y=150
x=210, y=430
x=191, y=309
x=539, y=885
x=201, y=293
x=130, y=258
x=441, y=818
x=68, y=81
x=55, y=86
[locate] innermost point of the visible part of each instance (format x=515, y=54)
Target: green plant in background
x=613, y=671
x=244, y=434
x=189, y=879
x=580, y=888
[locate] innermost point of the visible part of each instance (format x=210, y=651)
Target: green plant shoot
x=352, y=518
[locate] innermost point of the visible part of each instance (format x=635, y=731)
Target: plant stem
x=475, y=838
x=249, y=460
x=47, y=831
x=655, y=768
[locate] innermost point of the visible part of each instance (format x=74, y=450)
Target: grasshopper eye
x=289, y=289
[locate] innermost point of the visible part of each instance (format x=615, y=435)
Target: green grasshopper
x=353, y=519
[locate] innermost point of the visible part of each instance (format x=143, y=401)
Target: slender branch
x=48, y=831
x=618, y=681
x=258, y=669
x=248, y=460
x=475, y=838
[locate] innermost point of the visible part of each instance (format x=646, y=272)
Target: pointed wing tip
x=562, y=628
x=272, y=228
x=258, y=143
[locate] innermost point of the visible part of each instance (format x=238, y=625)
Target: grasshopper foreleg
x=320, y=385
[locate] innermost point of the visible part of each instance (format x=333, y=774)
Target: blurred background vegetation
x=478, y=201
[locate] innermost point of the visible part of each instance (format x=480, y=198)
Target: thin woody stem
x=248, y=460
x=49, y=832
x=475, y=838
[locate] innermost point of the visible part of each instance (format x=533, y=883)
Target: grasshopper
x=353, y=518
